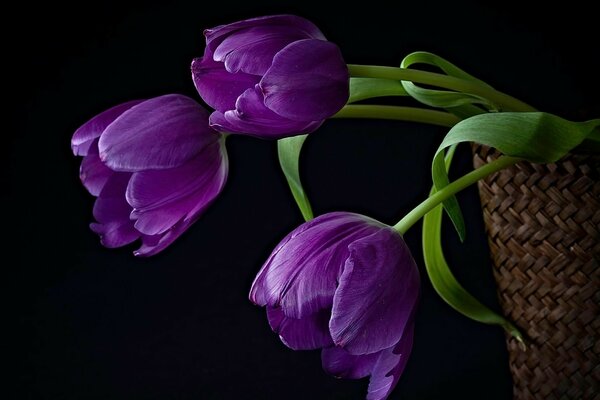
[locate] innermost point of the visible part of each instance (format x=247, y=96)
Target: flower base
x=543, y=225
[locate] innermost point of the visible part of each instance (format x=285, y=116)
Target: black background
x=94, y=323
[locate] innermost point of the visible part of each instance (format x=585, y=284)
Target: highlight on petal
x=294, y=24
x=341, y=364
x=112, y=213
x=84, y=137
x=302, y=273
x=217, y=87
x=251, y=50
x=163, y=132
x=377, y=293
x=308, y=80
x=306, y=333
x=161, y=198
x=251, y=117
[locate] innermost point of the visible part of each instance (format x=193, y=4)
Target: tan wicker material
x=543, y=225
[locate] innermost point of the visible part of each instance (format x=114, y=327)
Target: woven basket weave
x=543, y=225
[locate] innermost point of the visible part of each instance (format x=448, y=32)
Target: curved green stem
x=503, y=100
x=461, y=183
x=413, y=114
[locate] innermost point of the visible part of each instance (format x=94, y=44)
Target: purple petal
x=308, y=81
x=341, y=364
x=251, y=117
x=112, y=213
x=154, y=244
x=217, y=87
x=251, y=50
x=385, y=366
x=390, y=365
x=302, y=273
x=84, y=137
x=307, y=333
x=162, y=198
x=294, y=24
x=94, y=174
x=163, y=132
x=377, y=293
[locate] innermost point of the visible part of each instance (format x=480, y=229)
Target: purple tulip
x=154, y=165
x=346, y=284
x=270, y=77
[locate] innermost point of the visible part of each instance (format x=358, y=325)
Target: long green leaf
x=446, y=285
x=289, y=150
x=423, y=57
x=442, y=98
x=534, y=136
x=462, y=104
x=442, y=279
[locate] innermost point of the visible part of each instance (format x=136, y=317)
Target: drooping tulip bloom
x=348, y=285
x=154, y=165
x=270, y=77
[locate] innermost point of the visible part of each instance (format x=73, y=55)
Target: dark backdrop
x=95, y=323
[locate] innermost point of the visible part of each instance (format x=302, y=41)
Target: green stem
x=461, y=183
x=502, y=100
x=398, y=113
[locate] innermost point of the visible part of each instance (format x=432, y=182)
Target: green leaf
x=461, y=104
x=534, y=136
x=367, y=88
x=423, y=57
x=444, y=283
x=595, y=134
x=288, y=150
x=465, y=111
x=442, y=98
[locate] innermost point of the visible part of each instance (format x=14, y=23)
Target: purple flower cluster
x=156, y=165
x=343, y=283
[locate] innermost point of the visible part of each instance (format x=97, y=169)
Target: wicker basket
x=543, y=225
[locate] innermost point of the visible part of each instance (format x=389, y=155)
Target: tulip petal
x=162, y=198
x=251, y=117
x=341, y=364
x=112, y=213
x=307, y=81
x=377, y=293
x=153, y=244
x=385, y=366
x=84, y=137
x=163, y=132
x=251, y=50
x=302, y=273
x=389, y=366
x=307, y=333
x=93, y=173
x=294, y=24
x=217, y=87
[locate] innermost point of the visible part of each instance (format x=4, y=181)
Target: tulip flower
x=348, y=285
x=154, y=165
x=270, y=77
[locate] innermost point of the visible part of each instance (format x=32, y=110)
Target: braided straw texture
x=543, y=225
